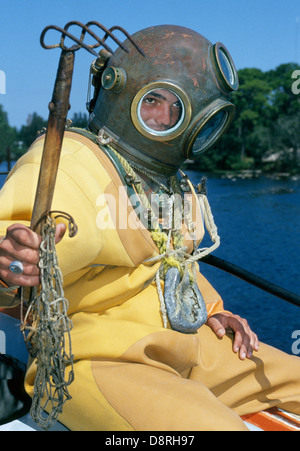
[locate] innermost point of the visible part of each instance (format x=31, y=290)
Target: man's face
x=160, y=109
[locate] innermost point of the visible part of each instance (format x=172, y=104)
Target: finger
x=216, y=326
x=241, y=339
x=247, y=346
x=21, y=243
x=29, y=277
x=20, y=280
x=12, y=250
x=242, y=345
x=245, y=349
x=244, y=341
x=23, y=236
x=254, y=341
x=60, y=232
x=238, y=341
x=28, y=269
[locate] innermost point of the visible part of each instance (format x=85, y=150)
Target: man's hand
x=245, y=340
x=21, y=243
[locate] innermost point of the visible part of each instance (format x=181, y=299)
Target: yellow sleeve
x=213, y=300
x=76, y=193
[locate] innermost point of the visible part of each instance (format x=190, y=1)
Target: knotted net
x=46, y=328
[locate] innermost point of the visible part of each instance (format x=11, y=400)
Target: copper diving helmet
x=167, y=102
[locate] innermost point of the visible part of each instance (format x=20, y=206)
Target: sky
x=258, y=33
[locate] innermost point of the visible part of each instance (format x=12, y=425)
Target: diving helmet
x=166, y=100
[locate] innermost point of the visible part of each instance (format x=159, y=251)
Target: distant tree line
x=265, y=134
x=15, y=143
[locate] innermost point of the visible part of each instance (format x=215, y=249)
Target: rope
x=176, y=256
x=11, y=289
x=212, y=230
x=46, y=328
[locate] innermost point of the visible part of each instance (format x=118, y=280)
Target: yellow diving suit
x=132, y=373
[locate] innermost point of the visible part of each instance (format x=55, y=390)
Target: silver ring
x=16, y=267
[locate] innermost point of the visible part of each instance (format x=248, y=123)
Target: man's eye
x=150, y=100
x=177, y=104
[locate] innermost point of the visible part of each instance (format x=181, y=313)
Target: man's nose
x=165, y=114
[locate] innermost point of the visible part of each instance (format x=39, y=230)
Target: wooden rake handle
x=58, y=111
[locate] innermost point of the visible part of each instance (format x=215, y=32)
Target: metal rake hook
x=85, y=29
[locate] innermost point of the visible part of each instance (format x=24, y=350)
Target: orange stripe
x=273, y=420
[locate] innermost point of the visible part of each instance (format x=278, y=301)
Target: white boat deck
x=26, y=423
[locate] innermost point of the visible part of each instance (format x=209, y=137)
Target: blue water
x=3, y=168
x=259, y=225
